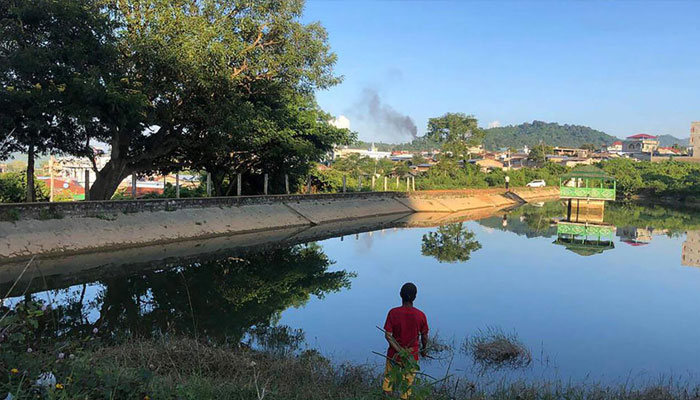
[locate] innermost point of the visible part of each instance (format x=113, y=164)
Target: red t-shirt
x=405, y=323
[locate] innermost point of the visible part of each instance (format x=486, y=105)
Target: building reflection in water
x=583, y=231
x=690, y=255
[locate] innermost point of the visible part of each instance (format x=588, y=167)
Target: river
x=629, y=309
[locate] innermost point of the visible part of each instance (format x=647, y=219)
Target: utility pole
x=87, y=184
x=209, y=184
x=133, y=186
x=51, y=178
x=238, y=184
x=177, y=185
x=265, y=186
x=286, y=183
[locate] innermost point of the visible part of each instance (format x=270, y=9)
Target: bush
x=13, y=188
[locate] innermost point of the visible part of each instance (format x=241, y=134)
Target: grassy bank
x=179, y=368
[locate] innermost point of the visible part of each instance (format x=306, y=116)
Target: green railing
x=585, y=230
x=566, y=192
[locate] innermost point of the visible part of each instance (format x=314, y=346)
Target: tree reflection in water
x=219, y=300
x=450, y=243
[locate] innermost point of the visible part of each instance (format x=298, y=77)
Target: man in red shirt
x=404, y=325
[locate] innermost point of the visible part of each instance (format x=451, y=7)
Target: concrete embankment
x=54, y=229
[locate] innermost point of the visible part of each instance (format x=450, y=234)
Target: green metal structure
x=587, y=183
x=585, y=239
x=585, y=230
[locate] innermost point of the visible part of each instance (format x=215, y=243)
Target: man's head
x=408, y=292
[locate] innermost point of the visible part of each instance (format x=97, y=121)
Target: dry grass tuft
x=494, y=349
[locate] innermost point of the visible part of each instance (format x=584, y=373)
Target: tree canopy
x=456, y=132
x=220, y=85
x=49, y=54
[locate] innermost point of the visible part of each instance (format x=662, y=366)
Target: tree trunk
x=31, y=195
x=109, y=178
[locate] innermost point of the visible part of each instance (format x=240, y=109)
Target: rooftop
x=642, y=136
x=588, y=171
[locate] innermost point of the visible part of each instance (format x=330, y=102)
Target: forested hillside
x=552, y=134
x=668, y=141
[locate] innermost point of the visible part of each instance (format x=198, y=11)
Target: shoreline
x=61, y=229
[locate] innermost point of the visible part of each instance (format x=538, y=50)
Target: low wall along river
x=57, y=229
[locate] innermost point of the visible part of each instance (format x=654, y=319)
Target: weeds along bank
x=95, y=364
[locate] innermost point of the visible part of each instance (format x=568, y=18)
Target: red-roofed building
x=668, y=151
x=615, y=147
x=642, y=136
x=64, y=188
x=640, y=145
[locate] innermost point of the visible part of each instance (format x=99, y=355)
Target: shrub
x=13, y=188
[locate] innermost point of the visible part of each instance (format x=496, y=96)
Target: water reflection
x=579, y=315
x=450, y=243
x=690, y=254
x=218, y=299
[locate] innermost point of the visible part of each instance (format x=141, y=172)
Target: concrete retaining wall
x=53, y=229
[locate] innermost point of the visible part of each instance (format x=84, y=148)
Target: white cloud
x=494, y=124
x=341, y=122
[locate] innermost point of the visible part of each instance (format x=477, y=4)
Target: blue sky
x=620, y=67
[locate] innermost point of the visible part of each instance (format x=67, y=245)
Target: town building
x=489, y=164
x=372, y=153
x=669, y=151
x=570, y=152
x=64, y=189
x=616, y=147
x=73, y=168
x=640, y=144
x=574, y=161
x=695, y=138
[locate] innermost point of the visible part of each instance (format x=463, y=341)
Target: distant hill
x=668, y=141
x=550, y=133
x=527, y=134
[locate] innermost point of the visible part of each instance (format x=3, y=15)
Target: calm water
x=628, y=311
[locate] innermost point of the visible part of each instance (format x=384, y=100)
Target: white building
x=73, y=168
x=371, y=153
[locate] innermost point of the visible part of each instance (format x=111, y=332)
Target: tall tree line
x=225, y=86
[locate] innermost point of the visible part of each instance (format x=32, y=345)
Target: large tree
x=49, y=53
x=278, y=132
x=203, y=71
x=456, y=132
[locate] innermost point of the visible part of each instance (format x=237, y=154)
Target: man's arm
x=424, y=344
x=392, y=342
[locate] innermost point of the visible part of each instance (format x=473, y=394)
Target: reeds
x=494, y=349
